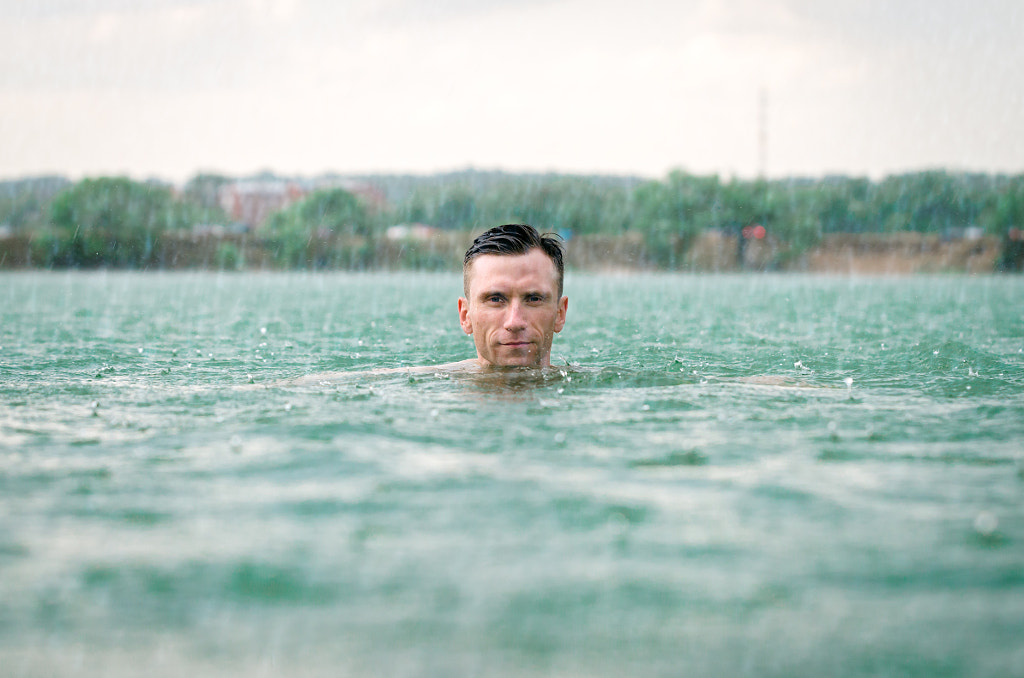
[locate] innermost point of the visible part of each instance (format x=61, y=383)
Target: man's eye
x=494, y=298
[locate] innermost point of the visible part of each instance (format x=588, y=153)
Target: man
x=512, y=278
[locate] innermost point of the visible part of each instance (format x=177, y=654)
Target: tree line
x=117, y=222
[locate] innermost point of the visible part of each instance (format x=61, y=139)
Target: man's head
x=512, y=278
x=513, y=239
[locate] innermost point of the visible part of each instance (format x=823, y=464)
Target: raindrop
x=434, y=413
x=287, y=407
x=140, y=350
x=645, y=407
x=263, y=330
x=986, y=523
x=560, y=438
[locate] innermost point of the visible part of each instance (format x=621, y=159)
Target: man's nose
x=514, y=320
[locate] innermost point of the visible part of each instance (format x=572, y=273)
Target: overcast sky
x=168, y=88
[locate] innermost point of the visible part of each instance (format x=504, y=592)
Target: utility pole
x=762, y=133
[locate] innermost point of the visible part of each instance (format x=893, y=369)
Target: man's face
x=512, y=308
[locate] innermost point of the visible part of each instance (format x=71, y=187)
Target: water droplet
x=236, y=444
x=434, y=413
x=287, y=407
x=935, y=353
x=263, y=330
x=140, y=350
x=849, y=382
x=986, y=523
x=559, y=438
x=645, y=407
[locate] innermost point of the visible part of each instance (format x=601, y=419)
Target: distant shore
x=929, y=221
x=874, y=253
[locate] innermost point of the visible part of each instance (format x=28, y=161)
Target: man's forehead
x=534, y=267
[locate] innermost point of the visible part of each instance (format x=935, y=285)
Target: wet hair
x=513, y=239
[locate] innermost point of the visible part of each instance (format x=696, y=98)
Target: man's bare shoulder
x=470, y=365
x=324, y=378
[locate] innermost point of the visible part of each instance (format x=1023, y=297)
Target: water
x=747, y=475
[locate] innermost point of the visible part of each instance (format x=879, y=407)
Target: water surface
x=724, y=475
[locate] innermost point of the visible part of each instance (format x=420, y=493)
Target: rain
x=242, y=428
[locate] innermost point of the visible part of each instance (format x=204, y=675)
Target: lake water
x=649, y=509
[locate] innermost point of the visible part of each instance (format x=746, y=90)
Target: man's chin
x=526, y=357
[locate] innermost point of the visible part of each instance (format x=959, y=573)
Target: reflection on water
x=693, y=484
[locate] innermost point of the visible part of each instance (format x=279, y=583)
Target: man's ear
x=467, y=324
x=563, y=306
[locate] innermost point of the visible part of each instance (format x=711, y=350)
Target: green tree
x=204, y=190
x=328, y=227
x=113, y=222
